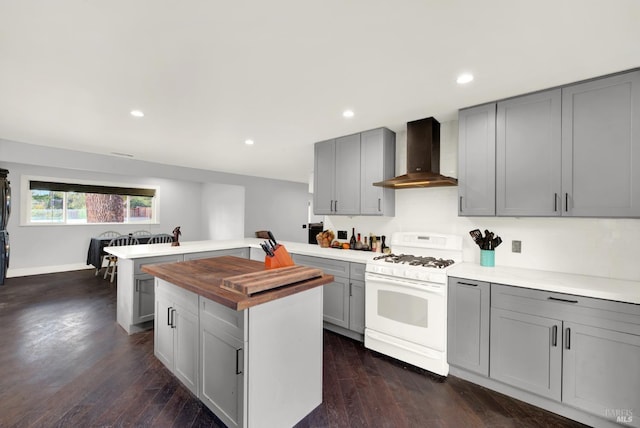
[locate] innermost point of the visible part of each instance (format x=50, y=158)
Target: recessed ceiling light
x=464, y=78
x=347, y=113
x=248, y=142
x=137, y=113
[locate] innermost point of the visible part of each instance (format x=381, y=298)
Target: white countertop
x=582, y=285
x=154, y=250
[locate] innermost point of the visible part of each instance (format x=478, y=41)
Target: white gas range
x=406, y=299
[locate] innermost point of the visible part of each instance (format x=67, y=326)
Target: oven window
x=403, y=308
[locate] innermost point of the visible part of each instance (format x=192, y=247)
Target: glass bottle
x=358, y=243
x=352, y=241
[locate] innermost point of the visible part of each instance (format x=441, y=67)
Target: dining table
x=97, y=245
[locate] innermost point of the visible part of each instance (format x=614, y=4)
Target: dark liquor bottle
x=352, y=241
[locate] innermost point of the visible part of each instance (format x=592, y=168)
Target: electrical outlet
x=342, y=234
x=516, y=246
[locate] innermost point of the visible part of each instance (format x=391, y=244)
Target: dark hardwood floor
x=64, y=361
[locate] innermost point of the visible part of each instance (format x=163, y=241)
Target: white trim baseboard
x=39, y=270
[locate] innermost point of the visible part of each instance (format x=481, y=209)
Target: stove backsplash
x=599, y=247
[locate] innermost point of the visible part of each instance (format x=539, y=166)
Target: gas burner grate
x=411, y=260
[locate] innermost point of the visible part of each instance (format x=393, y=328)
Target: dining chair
x=107, y=234
x=141, y=233
x=112, y=261
x=160, y=238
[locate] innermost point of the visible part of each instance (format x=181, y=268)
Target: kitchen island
x=254, y=360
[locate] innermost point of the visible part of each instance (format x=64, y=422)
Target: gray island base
x=253, y=361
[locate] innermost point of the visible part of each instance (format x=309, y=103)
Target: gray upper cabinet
x=345, y=169
x=324, y=177
x=377, y=163
x=601, y=147
x=569, y=151
x=337, y=176
x=477, y=161
x=347, y=200
x=528, y=155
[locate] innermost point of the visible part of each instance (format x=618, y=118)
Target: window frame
x=25, y=203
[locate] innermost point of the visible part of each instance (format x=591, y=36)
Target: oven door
x=410, y=310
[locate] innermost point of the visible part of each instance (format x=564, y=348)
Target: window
x=75, y=203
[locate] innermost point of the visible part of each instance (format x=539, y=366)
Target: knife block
x=281, y=258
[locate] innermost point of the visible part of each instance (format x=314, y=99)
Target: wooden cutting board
x=255, y=282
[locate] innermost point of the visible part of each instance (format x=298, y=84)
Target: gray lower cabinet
x=273, y=380
x=601, y=369
x=222, y=345
x=336, y=302
x=477, y=161
x=601, y=136
x=356, y=306
x=176, y=332
x=343, y=299
x=468, y=325
x=143, y=298
x=579, y=351
x=526, y=352
x=528, y=149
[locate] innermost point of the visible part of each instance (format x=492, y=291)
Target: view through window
x=63, y=203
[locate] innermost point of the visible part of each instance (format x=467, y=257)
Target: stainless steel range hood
x=423, y=158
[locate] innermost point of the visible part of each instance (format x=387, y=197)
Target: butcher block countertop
x=205, y=277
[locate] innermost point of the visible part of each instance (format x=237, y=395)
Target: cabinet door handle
x=567, y=338
x=350, y=289
x=460, y=204
x=554, y=335
x=173, y=318
x=555, y=202
x=467, y=283
x=169, y=316
x=379, y=205
x=557, y=299
x=335, y=204
x=566, y=202
x=238, y=371
x=331, y=205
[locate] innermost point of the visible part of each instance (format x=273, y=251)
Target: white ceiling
x=209, y=73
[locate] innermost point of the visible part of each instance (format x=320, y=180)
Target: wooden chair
x=141, y=233
x=112, y=264
x=160, y=238
x=107, y=234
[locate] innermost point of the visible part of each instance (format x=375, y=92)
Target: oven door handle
x=438, y=289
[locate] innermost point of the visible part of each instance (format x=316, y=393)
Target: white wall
x=222, y=211
x=280, y=206
x=599, y=247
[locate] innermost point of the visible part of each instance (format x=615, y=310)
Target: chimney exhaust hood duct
x=423, y=158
